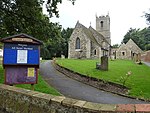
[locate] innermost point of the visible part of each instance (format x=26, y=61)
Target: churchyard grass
x=138, y=81
x=42, y=86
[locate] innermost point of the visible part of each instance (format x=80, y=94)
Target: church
x=88, y=43
x=129, y=51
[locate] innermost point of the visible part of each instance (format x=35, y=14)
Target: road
x=74, y=89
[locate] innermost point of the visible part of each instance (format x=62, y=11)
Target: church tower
x=103, y=26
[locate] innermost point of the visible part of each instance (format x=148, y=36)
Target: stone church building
x=88, y=42
x=127, y=51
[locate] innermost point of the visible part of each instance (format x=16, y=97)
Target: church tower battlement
x=103, y=26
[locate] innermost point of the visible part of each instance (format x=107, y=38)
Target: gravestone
x=62, y=56
x=104, y=63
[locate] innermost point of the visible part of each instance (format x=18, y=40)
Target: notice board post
x=21, y=59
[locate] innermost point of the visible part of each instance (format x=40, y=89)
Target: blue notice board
x=25, y=54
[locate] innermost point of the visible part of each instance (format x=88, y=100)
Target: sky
x=124, y=14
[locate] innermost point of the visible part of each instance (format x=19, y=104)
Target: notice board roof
x=21, y=38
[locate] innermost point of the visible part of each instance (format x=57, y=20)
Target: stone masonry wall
x=146, y=57
x=18, y=100
x=128, y=48
x=76, y=53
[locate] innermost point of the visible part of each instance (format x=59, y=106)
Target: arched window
x=95, y=52
x=102, y=23
x=77, y=43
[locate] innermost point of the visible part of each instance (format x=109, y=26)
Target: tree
x=25, y=16
x=51, y=47
x=140, y=37
x=52, y=7
x=65, y=33
x=20, y=16
x=115, y=46
x=147, y=47
x=147, y=16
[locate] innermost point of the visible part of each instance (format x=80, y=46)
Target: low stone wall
x=97, y=83
x=18, y=100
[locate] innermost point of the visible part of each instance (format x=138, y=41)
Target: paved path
x=147, y=63
x=74, y=89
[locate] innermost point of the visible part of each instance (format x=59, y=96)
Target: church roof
x=92, y=34
x=87, y=32
x=122, y=46
x=130, y=46
x=99, y=37
x=133, y=46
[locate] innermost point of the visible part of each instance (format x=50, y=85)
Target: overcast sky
x=124, y=14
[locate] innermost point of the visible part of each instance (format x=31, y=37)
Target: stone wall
x=90, y=41
x=18, y=100
x=146, y=56
x=95, y=48
x=105, y=29
x=128, y=50
x=83, y=52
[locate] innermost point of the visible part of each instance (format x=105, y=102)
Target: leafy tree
x=147, y=16
x=20, y=16
x=52, y=7
x=51, y=47
x=65, y=33
x=25, y=16
x=140, y=37
x=115, y=46
x=147, y=47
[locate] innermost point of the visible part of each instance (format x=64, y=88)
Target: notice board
x=20, y=75
x=25, y=54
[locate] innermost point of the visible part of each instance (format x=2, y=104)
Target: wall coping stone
x=142, y=107
x=13, y=99
x=80, y=103
x=126, y=107
x=58, y=99
x=69, y=101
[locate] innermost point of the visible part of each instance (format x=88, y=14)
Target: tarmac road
x=74, y=89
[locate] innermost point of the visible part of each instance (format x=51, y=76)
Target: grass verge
x=138, y=82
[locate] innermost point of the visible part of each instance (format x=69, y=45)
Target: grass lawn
x=138, y=81
x=42, y=86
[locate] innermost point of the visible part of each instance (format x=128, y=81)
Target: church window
x=77, y=43
x=133, y=54
x=102, y=23
x=95, y=52
x=123, y=53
